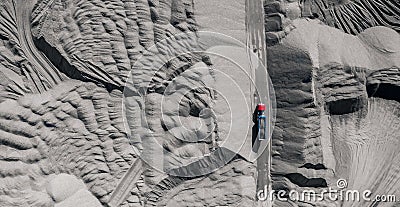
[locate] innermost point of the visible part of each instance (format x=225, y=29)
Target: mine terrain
x=153, y=102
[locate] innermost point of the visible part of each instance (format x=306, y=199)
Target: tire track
x=126, y=184
x=47, y=74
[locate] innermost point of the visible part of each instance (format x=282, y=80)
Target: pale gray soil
x=150, y=102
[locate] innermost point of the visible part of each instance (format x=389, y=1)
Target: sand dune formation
x=145, y=103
